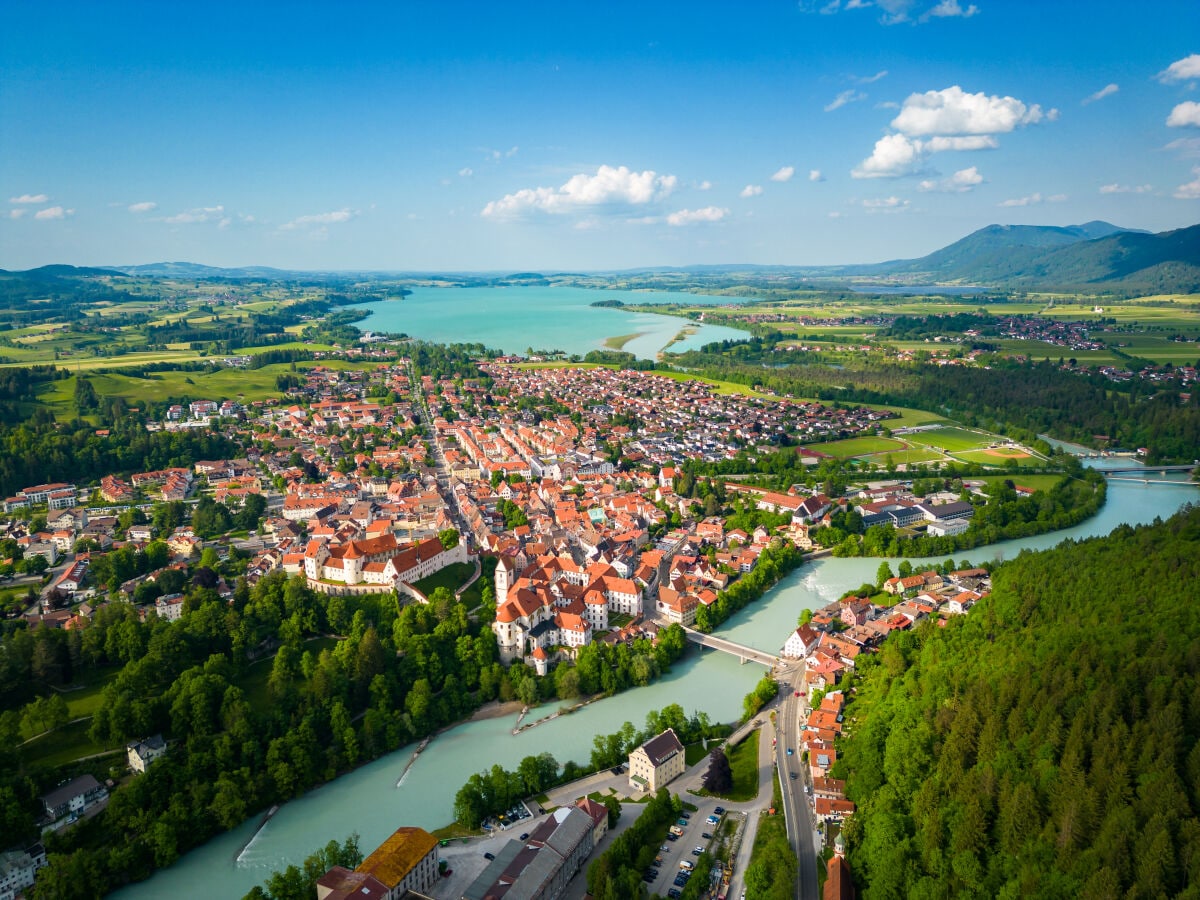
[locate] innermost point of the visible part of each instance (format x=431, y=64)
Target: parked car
x=685, y=815
x=696, y=851
x=487, y=855
x=720, y=810
x=789, y=751
x=674, y=893
x=526, y=834
x=707, y=835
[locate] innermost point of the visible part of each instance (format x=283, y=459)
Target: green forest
x=1046, y=744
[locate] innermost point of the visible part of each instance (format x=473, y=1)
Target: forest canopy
x=1046, y=744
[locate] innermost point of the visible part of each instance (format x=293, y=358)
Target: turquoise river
x=370, y=801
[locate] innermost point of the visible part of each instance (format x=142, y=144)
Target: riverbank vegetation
x=300, y=882
x=773, y=563
x=491, y=792
x=1047, y=743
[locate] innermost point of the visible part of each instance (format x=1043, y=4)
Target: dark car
x=720, y=810
x=792, y=775
x=697, y=851
x=674, y=893
x=685, y=815
x=489, y=855
x=680, y=881
x=526, y=834
x=707, y=835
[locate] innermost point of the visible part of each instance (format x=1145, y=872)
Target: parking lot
x=673, y=853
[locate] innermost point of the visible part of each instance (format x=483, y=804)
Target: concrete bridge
x=745, y=654
x=1140, y=470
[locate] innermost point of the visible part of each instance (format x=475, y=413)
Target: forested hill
x=1094, y=256
x=1045, y=745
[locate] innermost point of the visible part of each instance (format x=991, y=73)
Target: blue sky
x=484, y=136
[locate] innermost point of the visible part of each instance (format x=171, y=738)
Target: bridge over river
x=742, y=652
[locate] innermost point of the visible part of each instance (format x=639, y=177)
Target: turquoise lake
x=513, y=319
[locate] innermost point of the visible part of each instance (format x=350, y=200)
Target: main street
x=802, y=833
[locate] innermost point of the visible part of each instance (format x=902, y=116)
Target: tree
x=449, y=538
x=884, y=574
x=719, y=777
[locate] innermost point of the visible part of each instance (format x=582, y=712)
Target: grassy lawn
x=743, y=760
x=86, y=701
x=67, y=744
x=450, y=578
x=1037, y=482
x=858, y=446
x=693, y=753
x=951, y=439
x=619, y=620
x=908, y=456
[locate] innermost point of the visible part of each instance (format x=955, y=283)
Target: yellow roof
x=398, y=855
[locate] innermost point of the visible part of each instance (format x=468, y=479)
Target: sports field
x=999, y=457
x=951, y=439
x=858, y=446
x=908, y=456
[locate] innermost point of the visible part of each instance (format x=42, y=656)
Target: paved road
x=741, y=651
x=802, y=834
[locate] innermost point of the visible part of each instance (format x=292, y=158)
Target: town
x=565, y=510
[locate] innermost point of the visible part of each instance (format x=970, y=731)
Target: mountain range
x=1093, y=257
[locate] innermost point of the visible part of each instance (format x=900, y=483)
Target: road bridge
x=1143, y=470
x=742, y=652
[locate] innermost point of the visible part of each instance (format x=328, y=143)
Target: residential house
x=73, y=797
x=142, y=753
x=406, y=861
x=657, y=762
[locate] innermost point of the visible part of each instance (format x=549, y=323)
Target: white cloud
x=193, y=216
x=1181, y=70
x=29, y=198
x=53, y=212
x=953, y=111
x=1186, y=114
x=144, y=206
x=751, y=190
x=959, y=183
x=948, y=9
x=328, y=218
x=16, y=213
x=1125, y=188
x=608, y=187
x=815, y=175
x=1191, y=190
x=885, y=203
x=784, y=174
x=960, y=142
x=694, y=216
x=466, y=172
x=848, y=96
x=1107, y=91
x=1056, y=198
x=1031, y=200
x=1187, y=147
x=704, y=186
x=894, y=155
x=871, y=79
